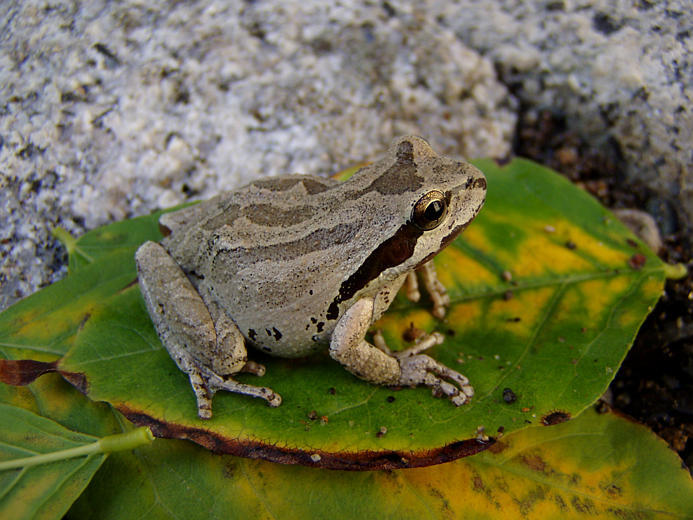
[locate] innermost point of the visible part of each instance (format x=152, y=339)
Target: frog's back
x=255, y=201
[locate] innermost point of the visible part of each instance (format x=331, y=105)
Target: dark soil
x=655, y=383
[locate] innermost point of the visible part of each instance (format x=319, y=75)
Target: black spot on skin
x=313, y=320
x=277, y=334
x=252, y=334
x=267, y=349
x=320, y=326
x=196, y=275
x=392, y=252
x=269, y=332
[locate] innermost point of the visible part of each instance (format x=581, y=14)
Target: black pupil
x=434, y=210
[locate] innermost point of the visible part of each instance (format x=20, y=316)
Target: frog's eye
x=430, y=210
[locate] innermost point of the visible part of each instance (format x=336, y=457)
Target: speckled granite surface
x=109, y=111
x=621, y=71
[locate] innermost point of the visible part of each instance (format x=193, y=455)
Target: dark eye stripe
x=390, y=253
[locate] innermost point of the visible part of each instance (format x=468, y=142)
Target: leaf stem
x=65, y=238
x=119, y=442
x=675, y=271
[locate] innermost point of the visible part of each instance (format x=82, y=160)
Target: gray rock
x=621, y=71
x=113, y=110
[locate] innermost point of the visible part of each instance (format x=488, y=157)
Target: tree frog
x=296, y=263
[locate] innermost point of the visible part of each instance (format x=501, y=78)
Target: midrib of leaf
x=262, y=498
x=537, y=283
x=547, y=281
x=47, y=310
x=632, y=289
x=153, y=483
x=32, y=348
x=420, y=497
x=71, y=244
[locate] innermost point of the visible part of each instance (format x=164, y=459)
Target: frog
x=295, y=264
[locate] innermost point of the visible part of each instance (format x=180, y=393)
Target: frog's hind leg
x=208, y=348
x=231, y=358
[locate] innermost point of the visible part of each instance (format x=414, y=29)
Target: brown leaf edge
x=23, y=372
x=350, y=461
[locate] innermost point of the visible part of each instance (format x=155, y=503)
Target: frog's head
x=417, y=202
x=447, y=196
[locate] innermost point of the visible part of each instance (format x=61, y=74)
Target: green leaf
x=45, y=491
x=568, y=471
x=45, y=325
x=548, y=290
x=115, y=238
x=63, y=407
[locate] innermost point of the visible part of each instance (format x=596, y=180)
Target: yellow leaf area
x=539, y=246
x=595, y=466
x=572, y=470
x=30, y=337
x=540, y=306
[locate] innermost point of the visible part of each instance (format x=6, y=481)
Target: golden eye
x=430, y=210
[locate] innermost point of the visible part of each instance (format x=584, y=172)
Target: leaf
x=114, y=238
x=40, y=473
x=548, y=291
x=568, y=471
x=45, y=325
x=45, y=491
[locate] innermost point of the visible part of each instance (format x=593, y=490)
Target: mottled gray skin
x=285, y=258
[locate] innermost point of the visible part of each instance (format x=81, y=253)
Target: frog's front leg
x=377, y=364
x=201, y=339
x=435, y=289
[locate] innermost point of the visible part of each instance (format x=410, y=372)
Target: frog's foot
x=435, y=289
x=420, y=369
x=206, y=383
